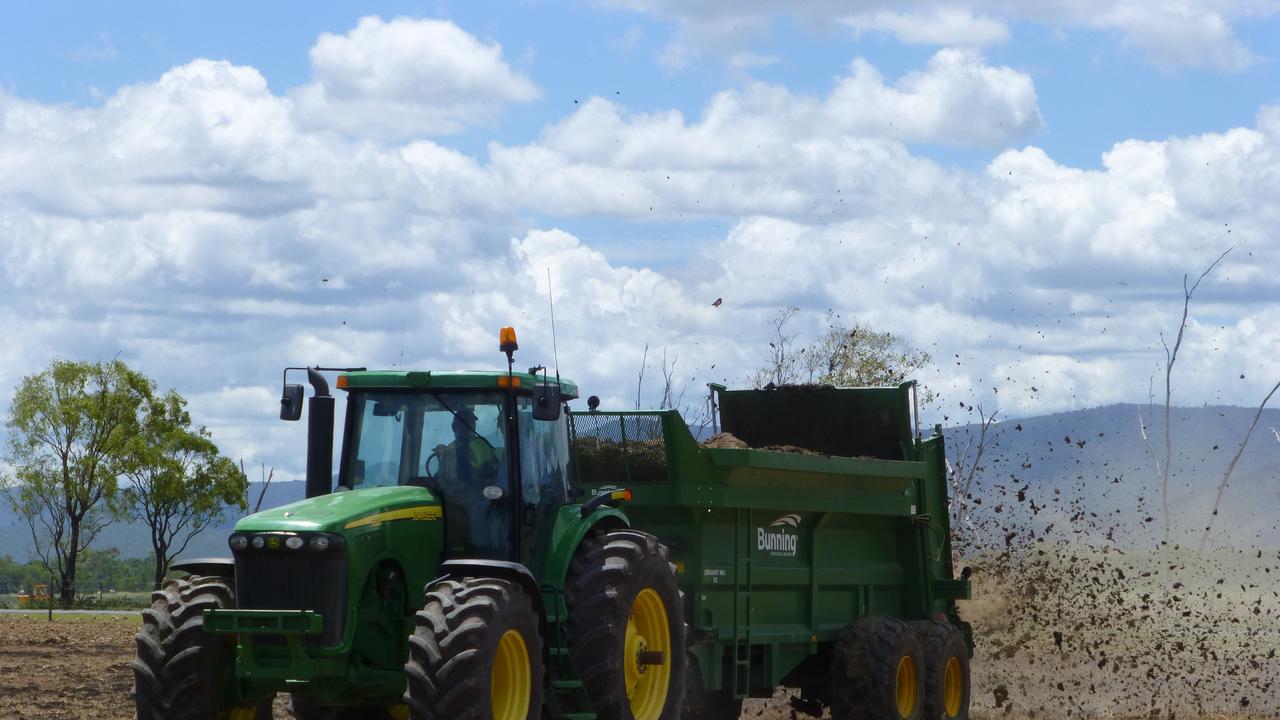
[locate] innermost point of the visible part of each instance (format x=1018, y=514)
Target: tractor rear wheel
x=475, y=653
x=626, y=626
x=946, y=670
x=877, y=672
x=179, y=669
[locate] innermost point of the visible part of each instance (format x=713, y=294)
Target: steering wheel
x=426, y=467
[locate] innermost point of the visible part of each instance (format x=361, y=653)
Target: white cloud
x=942, y=25
x=189, y=224
x=763, y=149
x=408, y=78
x=1193, y=33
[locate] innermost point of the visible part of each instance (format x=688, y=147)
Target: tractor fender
x=214, y=567
x=512, y=572
x=569, y=531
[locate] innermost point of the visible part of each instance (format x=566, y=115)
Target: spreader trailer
x=481, y=552
x=822, y=563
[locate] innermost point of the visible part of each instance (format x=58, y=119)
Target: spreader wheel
x=877, y=672
x=946, y=670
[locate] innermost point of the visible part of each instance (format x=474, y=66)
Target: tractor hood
x=346, y=510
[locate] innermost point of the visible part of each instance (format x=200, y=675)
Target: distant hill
x=1085, y=473
x=1096, y=463
x=133, y=540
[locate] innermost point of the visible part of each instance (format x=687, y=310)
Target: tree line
x=92, y=443
x=97, y=571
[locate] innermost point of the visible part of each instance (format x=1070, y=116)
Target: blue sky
x=239, y=187
x=1092, y=88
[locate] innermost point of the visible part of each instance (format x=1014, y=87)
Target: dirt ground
x=78, y=667
x=73, y=667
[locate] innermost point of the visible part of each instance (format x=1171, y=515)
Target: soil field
x=74, y=667
x=78, y=667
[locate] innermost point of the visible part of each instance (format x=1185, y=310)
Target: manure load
x=827, y=569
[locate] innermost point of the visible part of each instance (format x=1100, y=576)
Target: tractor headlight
x=319, y=543
x=293, y=542
x=238, y=542
x=258, y=542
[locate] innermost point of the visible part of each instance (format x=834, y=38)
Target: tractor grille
x=620, y=448
x=289, y=580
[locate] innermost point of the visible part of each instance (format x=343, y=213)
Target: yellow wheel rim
x=398, y=712
x=905, y=686
x=241, y=713
x=647, y=656
x=511, y=680
x=952, y=687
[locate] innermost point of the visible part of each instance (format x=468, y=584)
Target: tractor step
x=560, y=685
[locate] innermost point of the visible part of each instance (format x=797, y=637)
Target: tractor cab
x=473, y=440
x=492, y=448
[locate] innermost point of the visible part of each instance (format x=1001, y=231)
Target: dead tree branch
x=1171, y=357
x=1226, y=476
x=964, y=471
x=644, y=362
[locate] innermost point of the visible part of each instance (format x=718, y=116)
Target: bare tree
x=1226, y=476
x=644, y=363
x=671, y=399
x=266, y=483
x=962, y=472
x=1171, y=357
x=780, y=362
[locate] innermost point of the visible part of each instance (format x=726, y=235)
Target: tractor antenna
x=555, y=353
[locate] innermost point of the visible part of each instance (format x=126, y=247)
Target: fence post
x=49, y=594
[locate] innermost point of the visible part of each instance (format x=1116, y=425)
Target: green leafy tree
x=846, y=355
x=70, y=428
x=178, y=483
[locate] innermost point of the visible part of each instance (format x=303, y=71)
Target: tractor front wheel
x=179, y=670
x=475, y=653
x=626, y=626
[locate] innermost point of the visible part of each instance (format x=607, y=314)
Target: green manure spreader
x=484, y=553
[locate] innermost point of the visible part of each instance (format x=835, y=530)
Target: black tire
x=455, y=643
x=609, y=572
x=872, y=659
x=944, y=644
x=179, y=669
x=699, y=704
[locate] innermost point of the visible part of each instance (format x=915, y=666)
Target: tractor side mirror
x=291, y=402
x=546, y=402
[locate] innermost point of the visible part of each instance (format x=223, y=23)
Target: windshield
x=409, y=438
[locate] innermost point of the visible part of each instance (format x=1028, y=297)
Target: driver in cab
x=468, y=466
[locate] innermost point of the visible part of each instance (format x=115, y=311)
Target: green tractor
x=473, y=561
x=453, y=572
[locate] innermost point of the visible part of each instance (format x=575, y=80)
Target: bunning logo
x=792, y=520
x=777, y=540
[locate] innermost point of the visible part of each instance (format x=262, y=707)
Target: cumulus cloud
x=202, y=228
x=933, y=26
x=408, y=78
x=1196, y=33
x=764, y=149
